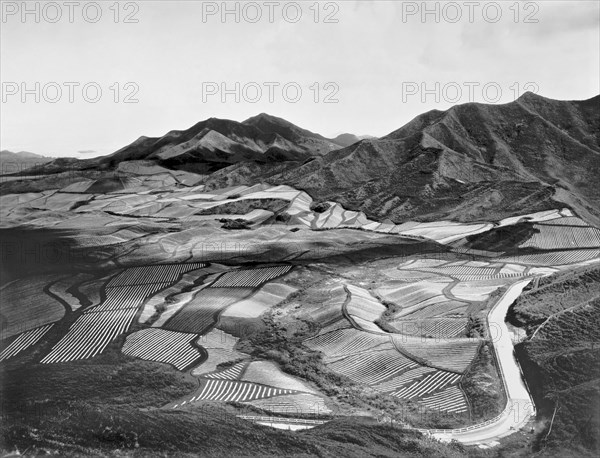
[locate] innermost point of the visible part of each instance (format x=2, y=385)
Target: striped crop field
x=200, y=313
x=269, y=373
x=436, y=328
x=450, y=354
x=411, y=296
x=343, y=342
x=293, y=404
x=549, y=237
x=163, y=273
x=163, y=346
x=250, y=278
x=450, y=399
x=430, y=384
x=373, y=367
x=232, y=373
x=231, y=391
x=565, y=221
x=555, y=258
x=363, y=305
x=403, y=379
x=90, y=335
x=24, y=341
x=126, y=297
x=445, y=308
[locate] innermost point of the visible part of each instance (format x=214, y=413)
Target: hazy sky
x=374, y=61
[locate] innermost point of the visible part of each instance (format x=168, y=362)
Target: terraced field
x=562, y=236
x=160, y=345
x=233, y=373
x=230, y=391
x=23, y=341
x=450, y=354
x=372, y=367
x=345, y=342
x=93, y=330
x=429, y=384
x=202, y=312
x=250, y=278
x=450, y=399
x=26, y=306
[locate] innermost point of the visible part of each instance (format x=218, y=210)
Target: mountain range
x=471, y=162
x=16, y=162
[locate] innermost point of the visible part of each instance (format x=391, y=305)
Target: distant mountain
x=471, y=162
x=216, y=143
x=16, y=162
x=346, y=139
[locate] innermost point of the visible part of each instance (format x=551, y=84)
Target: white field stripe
x=250, y=277
x=226, y=391
x=23, y=341
x=90, y=335
x=429, y=384
x=403, y=379
x=161, y=345
x=450, y=399
x=232, y=373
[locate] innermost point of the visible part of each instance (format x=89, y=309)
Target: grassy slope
x=561, y=362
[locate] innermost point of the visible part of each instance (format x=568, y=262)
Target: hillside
x=561, y=356
x=470, y=162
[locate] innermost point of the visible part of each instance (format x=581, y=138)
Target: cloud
x=87, y=151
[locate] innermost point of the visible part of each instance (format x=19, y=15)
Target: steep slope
x=471, y=162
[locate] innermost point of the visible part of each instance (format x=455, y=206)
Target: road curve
x=520, y=407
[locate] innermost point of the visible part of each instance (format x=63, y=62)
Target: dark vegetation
x=235, y=224
x=483, y=386
x=246, y=206
x=320, y=207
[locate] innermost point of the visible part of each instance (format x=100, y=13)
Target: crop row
x=125, y=297
x=555, y=258
x=162, y=346
x=232, y=373
x=565, y=221
x=413, y=295
x=435, y=310
x=233, y=391
x=345, y=342
x=90, y=335
x=450, y=400
x=250, y=278
x=23, y=341
x=152, y=274
x=373, y=367
x=430, y=384
x=25, y=305
x=200, y=313
x=557, y=237
x=404, y=378
x=454, y=354
x=440, y=328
